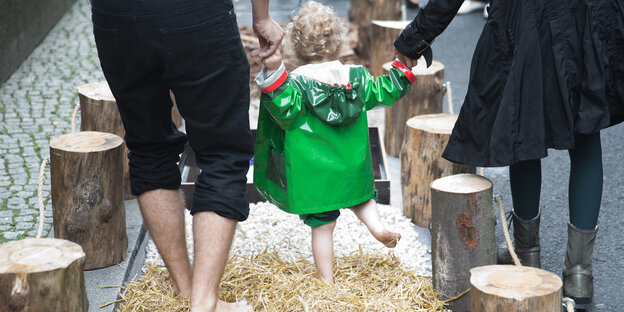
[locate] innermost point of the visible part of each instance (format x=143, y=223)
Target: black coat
x=542, y=71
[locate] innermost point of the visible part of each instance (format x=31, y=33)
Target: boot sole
x=581, y=303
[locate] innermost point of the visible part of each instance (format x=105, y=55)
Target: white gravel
x=269, y=228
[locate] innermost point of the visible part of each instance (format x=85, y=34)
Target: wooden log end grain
x=514, y=288
x=425, y=97
x=42, y=274
x=87, y=195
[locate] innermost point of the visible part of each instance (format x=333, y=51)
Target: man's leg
x=163, y=212
x=213, y=238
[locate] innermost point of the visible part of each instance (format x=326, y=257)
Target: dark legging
x=585, y=187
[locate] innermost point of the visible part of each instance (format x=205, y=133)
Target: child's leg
x=367, y=213
x=323, y=250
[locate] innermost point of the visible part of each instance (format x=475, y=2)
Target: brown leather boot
x=526, y=242
x=578, y=278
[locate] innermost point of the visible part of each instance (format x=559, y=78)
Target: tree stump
x=361, y=14
x=514, y=289
x=425, y=97
x=462, y=233
x=87, y=195
x=42, y=274
x=426, y=137
x=384, y=33
x=98, y=112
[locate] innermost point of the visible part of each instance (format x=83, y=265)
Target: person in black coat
x=545, y=74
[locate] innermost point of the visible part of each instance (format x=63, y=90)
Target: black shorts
x=193, y=48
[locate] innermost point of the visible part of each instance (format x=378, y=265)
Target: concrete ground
x=36, y=105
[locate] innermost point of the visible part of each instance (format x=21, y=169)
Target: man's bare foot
x=222, y=306
x=389, y=239
x=239, y=306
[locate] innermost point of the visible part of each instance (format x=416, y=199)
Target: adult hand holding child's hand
x=272, y=62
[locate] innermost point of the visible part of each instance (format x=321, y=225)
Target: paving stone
x=15, y=200
x=23, y=218
x=24, y=225
x=29, y=211
x=12, y=235
x=6, y=213
x=6, y=220
x=3, y=227
x=16, y=188
x=18, y=207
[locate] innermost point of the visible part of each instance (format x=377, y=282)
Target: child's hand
x=408, y=62
x=272, y=62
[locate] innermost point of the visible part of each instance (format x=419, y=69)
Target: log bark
x=514, y=289
x=87, y=195
x=98, y=112
x=42, y=274
x=424, y=97
x=384, y=33
x=362, y=12
x=426, y=137
x=462, y=233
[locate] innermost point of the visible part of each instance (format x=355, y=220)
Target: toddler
x=312, y=151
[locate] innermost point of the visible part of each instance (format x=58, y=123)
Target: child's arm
x=279, y=98
x=386, y=89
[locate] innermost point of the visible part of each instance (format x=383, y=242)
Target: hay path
x=271, y=267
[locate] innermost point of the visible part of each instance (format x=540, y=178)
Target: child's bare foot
x=389, y=239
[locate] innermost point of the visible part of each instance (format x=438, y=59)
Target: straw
x=363, y=282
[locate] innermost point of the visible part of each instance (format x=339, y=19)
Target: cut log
x=462, y=233
x=42, y=274
x=384, y=33
x=361, y=14
x=424, y=97
x=98, y=112
x=426, y=137
x=514, y=289
x=87, y=195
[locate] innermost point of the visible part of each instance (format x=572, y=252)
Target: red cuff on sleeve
x=277, y=83
x=406, y=71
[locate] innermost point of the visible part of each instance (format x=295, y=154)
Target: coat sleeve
x=430, y=22
x=279, y=98
x=386, y=89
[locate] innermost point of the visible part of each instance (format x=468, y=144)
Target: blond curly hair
x=315, y=33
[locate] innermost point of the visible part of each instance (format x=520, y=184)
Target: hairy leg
x=163, y=213
x=213, y=237
x=368, y=214
x=323, y=250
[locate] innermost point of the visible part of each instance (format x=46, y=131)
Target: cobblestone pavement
x=36, y=105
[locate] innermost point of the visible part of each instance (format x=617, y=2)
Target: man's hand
x=270, y=36
x=273, y=62
x=408, y=62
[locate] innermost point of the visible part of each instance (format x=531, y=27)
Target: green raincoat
x=312, y=151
